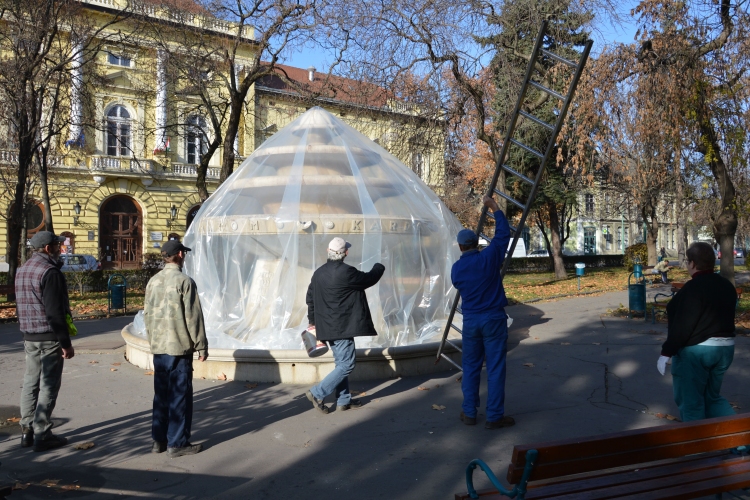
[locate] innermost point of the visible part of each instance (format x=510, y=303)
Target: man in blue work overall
x=476, y=275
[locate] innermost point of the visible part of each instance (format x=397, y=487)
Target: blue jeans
x=344, y=357
x=173, y=399
x=697, y=374
x=41, y=385
x=484, y=336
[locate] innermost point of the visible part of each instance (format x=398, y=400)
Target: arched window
x=118, y=131
x=196, y=139
x=191, y=215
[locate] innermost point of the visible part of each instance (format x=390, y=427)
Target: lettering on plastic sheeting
x=357, y=225
x=394, y=226
x=254, y=225
x=375, y=226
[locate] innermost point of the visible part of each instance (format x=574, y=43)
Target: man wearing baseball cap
x=337, y=307
x=476, y=275
x=43, y=310
x=175, y=329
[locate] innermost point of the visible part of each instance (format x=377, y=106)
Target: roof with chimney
x=322, y=86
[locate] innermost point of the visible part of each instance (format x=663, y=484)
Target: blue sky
x=606, y=33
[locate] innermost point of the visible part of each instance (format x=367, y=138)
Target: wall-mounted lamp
x=77, y=210
x=173, y=213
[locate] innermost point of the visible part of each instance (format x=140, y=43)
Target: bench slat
x=625, y=448
x=718, y=485
x=728, y=471
x=575, y=465
x=622, y=476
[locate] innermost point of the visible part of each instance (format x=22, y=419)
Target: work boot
x=49, y=443
x=354, y=403
x=317, y=403
x=159, y=447
x=468, y=420
x=188, y=449
x=27, y=437
x=497, y=424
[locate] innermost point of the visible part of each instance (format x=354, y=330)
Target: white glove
x=661, y=365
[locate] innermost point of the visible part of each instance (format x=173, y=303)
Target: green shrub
x=639, y=250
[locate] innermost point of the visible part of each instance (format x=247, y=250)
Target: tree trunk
x=652, y=233
x=680, y=219
x=45, y=196
x=555, y=250
x=233, y=125
x=725, y=225
x=17, y=217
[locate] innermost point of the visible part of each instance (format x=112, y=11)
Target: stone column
x=237, y=71
x=161, y=101
x=76, y=88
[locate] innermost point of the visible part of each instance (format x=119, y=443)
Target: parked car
x=538, y=253
x=736, y=250
x=75, y=262
x=739, y=253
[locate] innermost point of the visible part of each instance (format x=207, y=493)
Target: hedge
x=525, y=264
x=96, y=281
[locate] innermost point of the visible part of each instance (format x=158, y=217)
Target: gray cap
x=44, y=238
x=172, y=247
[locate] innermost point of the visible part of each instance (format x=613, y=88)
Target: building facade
x=123, y=177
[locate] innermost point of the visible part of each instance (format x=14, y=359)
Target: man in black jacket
x=43, y=313
x=337, y=307
x=700, y=338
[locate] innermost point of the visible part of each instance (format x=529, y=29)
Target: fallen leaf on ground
x=84, y=446
x=148, y=373
x=14, y=419
x=536, y=338
x=421, y=388
x=597, y=343
x=70, y=487
x=116, y=364
x=438, y=407
x=221, y=376
x=93, y=362
x=436, y=386
x=21, y=486
x=529, y=365
x=307, y=443
x=660, y=415
x=672, y=417
x=251, y=386
x=113, y=369
x=458, y=379
x=564, y=343
x=735, y=405
x=50, y=482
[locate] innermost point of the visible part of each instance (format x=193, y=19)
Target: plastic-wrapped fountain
x=257, y=240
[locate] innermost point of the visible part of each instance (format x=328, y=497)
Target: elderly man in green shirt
x=174, y=324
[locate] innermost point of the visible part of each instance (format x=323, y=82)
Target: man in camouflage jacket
x=174, y=324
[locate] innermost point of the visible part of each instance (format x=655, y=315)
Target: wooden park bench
x=676, y=288
x=678, y=461
x=7, y=290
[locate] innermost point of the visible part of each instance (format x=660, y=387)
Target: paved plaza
x=572, y=371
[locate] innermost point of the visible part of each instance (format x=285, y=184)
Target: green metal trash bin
x=117, y=292
x=636, y=296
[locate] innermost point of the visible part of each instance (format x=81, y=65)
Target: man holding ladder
x=476, y=276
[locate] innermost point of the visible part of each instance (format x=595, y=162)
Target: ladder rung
x=487, y=238
x=536, y=120
x=453, y=345
x=518, y=174
x=512, y=200
x=545, y=89
x=559, y=58
x=449, y=360
x=513, y=228
x=490, y=215
x=527, y=148
x=459, y=311
x=457, y=329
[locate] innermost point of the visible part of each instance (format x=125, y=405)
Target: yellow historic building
x=123, y=177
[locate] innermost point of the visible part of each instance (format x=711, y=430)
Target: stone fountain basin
x=296, y=367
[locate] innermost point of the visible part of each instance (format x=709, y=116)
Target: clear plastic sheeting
x=257, y=240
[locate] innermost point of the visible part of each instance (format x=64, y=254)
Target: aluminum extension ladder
x=537, y=54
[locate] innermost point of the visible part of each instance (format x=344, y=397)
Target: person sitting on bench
x=661, y=267
x=700, y=338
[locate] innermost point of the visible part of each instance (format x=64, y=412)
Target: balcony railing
x=188, y=170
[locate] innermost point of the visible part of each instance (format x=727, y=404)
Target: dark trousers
x=173, y=399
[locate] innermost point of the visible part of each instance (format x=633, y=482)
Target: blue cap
x=467, y=237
